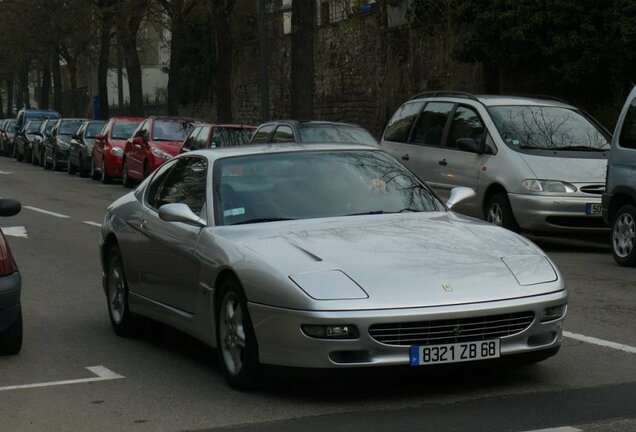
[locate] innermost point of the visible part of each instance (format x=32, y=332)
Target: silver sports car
x=323, y=256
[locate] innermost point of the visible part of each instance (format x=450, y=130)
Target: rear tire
x=126, y=181
x=623, y=240
x=70, y=169
x=81, y=169
x=11, y=338
x=123, y=321
x=498, y=212
x=56, y=166
x=47, y=164
x=106, y=179
x=94, y=173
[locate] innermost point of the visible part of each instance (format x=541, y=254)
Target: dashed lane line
x=50, y=213
x=15, y=231
x=558, y=429
x=91, y=223
x=600, y=342
x=5, y=172
x=102, y=373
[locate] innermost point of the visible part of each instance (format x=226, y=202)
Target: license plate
x=454, y=353
x=593, y=209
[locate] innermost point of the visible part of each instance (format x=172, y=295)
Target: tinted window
x=202, y=138
x=68, y=127
x=170, y=130
x=230, y=137
x=627, y=137
x=262, y=134
x=429, y=128
x=547, y=128
x=466, y=124
x=123, y=130
x=190, y=142
x=185, y=184
x=283, y=134
x=336, y=133
x=400, y=125
x=155, y=183
x=93, y=129
x=32, y=126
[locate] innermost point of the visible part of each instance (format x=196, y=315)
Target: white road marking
x=50, y=213
x=558, y=429
x=92, y=223
x=600, y=342
x=5, y=172
x=102, y=373
x=15, y=231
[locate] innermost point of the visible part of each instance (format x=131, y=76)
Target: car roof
x=259, y=149
x=131, y=119
x=309, y=122
x=495, y=100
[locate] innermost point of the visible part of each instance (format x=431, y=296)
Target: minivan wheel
x=11, y=338
x=498, y=212
x=624, y=236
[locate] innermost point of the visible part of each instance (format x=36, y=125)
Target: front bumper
x=10, y=287
x=282, y=342
x=542, y=213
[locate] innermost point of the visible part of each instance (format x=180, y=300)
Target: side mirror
x=180, y=213
x=469, y=145
x=138, y=140
x=99, y=138
x=459, y=194
x=9, y=207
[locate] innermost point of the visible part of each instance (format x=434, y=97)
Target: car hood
x=572, y=170
x=170, y=147
x=65, y=138
x=121, y=143
x=396, y=261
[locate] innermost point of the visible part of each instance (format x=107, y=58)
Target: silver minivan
x=536, y=164
x=619, y=200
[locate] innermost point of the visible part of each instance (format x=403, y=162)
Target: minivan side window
x=262, y=135
x=430, y=125
x=627, y=137
x=466, y=124
x=400, y=124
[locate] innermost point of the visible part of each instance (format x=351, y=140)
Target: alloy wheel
x=232, y=333
x=624, y=235
x=495, y=214
x=116, y=291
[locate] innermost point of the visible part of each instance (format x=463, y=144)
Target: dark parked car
x=10, y=287
x=156, y=140
x=39, y=139
x=79, y=156
x=8, y=133
x=206, y=135
x=24, y=115
x=3, y=124
x=290, y=131
x=24, y=140
x=57, y=146
x=108, y=151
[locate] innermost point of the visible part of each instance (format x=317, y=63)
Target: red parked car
x=108, y=151
x=206, y=135
x=10, y=287
x=156, y=140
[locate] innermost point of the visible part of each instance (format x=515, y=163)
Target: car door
x=169, y=264
x=461, y=167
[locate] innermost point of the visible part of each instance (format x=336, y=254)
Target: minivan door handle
x=405, y=157
x=443, y=162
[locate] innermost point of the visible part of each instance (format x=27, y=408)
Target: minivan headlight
x=557, y=186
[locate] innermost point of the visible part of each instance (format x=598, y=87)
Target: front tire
x=11, y=338
x=106, y=179
x=122, y=320
x=126, y=181
x=70, y=169
x=623, y=240
x=236, y=343
x=499, y=212
x=94, y=173
x=55, y=164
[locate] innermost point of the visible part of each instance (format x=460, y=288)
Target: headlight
x=118, y=151
x=160, y=153
x=552, y=313
x=348, y=331
x=557, y=186
x=62, y=145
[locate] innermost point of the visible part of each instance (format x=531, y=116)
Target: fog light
x=552, y=313
x=342, y=331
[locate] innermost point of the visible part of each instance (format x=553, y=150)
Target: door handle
x=406, y=157
x=443, y=162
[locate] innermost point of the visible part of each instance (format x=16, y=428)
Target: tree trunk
x=104, y=60
x=46, y=87
x=25, y=97
x=10, y=96
x=302, y=59
x=224, y=62
x=133, y=69
x=176, y=49
x=57, y=83
x=1, y=108
x=72, y=71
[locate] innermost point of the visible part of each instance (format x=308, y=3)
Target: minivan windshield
x=547, y=128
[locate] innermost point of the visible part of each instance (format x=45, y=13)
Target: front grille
x=452, y=330
x=597, y=189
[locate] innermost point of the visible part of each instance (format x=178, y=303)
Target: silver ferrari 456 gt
x=323, y=256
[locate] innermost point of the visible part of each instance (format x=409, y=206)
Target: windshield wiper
x=259, y=220
x=580, y=148
x=375, y=212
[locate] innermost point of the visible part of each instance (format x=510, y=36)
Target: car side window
x=429, y=128
x=202, y=137
x=401, y=123
x=465, y=124
x=283, y=134
x=262, y=134
x=185, y=184
x=190, y=141
x=627, y=138
x=143, y=130
x=155, y=184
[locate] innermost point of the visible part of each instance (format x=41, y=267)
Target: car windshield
x=170, y=130
x=124, y=129
x=336, y=134
x=49, y=126
x=547, y=128
x=93, y=129
x=33, y=126
x=68, y=127
x=11, y=125
x=302, y=185
x=231, y=137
